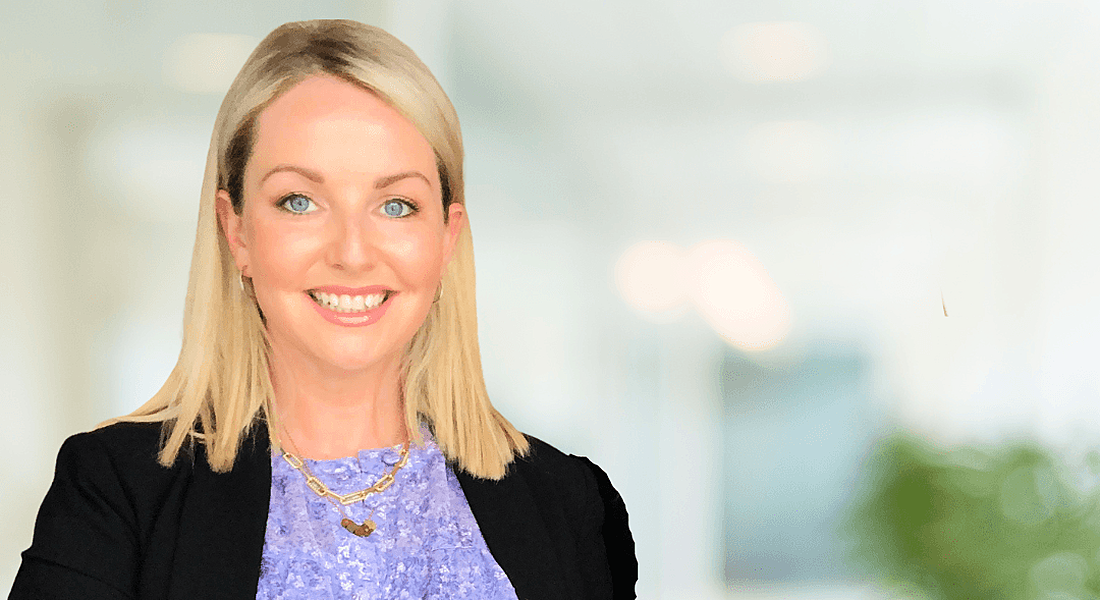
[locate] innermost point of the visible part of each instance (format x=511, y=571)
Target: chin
x=357, y=357
x=356, y=366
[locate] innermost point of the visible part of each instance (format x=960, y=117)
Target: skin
x=314, y=216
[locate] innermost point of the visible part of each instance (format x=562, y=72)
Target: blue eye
x=297, y=204
x=397, y=208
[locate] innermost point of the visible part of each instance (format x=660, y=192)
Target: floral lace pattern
x=427, y=544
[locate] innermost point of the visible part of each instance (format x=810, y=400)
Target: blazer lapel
x=223, y=524
x=516, y=534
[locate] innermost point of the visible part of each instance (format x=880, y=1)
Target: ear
x=456, y=221
x=232, y=229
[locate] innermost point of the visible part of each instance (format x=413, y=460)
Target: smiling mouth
x=343, y=303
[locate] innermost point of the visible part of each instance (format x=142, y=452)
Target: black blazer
x=115, y=524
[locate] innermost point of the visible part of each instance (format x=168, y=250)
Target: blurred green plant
x=1001, y=523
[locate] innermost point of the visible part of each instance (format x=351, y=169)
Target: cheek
x=418, y=257
x=282, y=254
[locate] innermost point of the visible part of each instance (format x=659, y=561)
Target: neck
x=326, y=415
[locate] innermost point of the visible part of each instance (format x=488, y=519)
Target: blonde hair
x=220, y=387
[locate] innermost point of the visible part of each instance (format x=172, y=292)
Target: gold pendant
x=361, y=530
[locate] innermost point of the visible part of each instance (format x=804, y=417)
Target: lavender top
x=427, y=544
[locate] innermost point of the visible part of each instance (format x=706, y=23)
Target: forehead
x=329, y=124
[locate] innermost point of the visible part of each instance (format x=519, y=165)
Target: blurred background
x=814, y=282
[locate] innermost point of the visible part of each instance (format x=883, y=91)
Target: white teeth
x=372, y=301
x=347, y=303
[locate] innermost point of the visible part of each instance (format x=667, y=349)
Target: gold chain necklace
x=368, y=526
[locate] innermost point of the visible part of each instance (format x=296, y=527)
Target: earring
x=240, y=282
x=438, y=292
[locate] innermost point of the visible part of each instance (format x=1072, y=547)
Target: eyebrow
x=383, y=182
x=314, y=176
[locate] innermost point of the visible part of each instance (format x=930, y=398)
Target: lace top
x=427, y=544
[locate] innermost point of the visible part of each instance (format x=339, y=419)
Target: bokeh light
x=733, y=291
x=776, y=51
x=725, y=282
x=650, y=279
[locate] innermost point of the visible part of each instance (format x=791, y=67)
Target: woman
x=326, y=431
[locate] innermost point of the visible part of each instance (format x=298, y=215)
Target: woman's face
x=342, y=230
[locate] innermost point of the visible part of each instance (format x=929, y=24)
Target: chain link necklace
x=368, y=526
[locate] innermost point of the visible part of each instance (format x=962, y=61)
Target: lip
x=352, y=319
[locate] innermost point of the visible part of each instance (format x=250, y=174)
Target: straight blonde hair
x=220, y=387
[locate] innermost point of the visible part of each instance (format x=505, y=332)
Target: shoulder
x=545, y=462
x=93, y=521
x=113, y=472
x=118, y=438
x=115, y=466
x=126, y=450
x=585, y=496
x=543, y=478
x=555, y=523
x=562, y=486
x=565, y=475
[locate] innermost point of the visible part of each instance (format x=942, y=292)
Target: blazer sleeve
x=615, y=531
x=85, y=542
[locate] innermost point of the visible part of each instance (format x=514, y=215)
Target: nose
x=353, y=243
